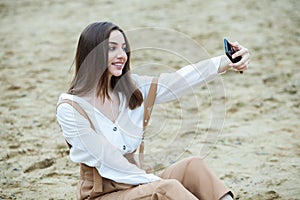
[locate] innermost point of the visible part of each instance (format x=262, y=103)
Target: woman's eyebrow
x=116, y=43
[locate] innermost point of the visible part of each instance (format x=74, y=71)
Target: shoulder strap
x=148, y=109
x=78, y=108
x=150, y=101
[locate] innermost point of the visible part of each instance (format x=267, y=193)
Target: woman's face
x=117, y=56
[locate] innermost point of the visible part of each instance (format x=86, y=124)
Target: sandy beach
x=252, y=138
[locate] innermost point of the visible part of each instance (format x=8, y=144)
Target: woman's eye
x=114, y=48
x=111, y=48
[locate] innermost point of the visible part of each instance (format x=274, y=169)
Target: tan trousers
x=189, y=179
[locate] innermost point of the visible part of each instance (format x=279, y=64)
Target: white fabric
x=105, y=147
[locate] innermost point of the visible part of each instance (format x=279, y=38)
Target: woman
x=105, y=121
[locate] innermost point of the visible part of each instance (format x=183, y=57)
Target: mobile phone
x=229, y=51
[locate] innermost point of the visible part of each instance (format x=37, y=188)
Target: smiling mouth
x=119, y=65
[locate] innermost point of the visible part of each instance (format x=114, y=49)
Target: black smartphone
x=229, y=51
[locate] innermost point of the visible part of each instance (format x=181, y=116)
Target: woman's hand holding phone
x=238, y=55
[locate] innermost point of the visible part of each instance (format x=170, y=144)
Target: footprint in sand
x=40, y=165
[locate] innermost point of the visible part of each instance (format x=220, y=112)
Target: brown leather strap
x=150, y=102
x=78, y=108
x=147, y=113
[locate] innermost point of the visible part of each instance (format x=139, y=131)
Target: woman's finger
x=235, y=45
x=241, y=52
x=242, y=64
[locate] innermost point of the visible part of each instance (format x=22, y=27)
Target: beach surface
x=246, y=126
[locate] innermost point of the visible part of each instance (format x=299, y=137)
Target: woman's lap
x=189, y=178
x=158, y=190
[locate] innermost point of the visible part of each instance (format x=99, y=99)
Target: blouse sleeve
x=174, y=85
x=94, y=150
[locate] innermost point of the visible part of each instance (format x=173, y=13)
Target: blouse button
x=115, y=128
x=124, y=147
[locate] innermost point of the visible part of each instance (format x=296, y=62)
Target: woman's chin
x=117, y=74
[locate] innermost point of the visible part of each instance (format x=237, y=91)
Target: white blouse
x=105, y=147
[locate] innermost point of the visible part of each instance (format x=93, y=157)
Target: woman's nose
x=122, y=53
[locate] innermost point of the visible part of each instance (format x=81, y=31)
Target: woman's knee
x=196, y=160
x=195, y=164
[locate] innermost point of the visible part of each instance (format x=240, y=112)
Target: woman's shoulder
x=63, y=96
x=61, y=105
x=65, y=102
x=69, y=97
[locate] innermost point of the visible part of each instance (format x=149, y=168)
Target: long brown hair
x=91, y=62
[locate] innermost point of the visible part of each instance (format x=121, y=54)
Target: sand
x=257, y=153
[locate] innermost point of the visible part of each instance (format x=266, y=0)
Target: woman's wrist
x=224, y=64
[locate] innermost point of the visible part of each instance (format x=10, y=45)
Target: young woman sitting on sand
x=102, y=115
